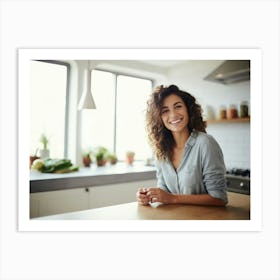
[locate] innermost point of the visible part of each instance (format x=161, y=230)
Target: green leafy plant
x=112, y=157
x=44, y=140
x=87, y=153
x=101, y=155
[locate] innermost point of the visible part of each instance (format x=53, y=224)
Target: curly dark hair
x=160, y=138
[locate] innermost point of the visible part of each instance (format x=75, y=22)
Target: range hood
x=230, y=71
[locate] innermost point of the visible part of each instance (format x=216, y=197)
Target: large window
x=118, y=123
x=48, y=95
x=132, y=96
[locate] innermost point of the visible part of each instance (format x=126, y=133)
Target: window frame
x=120, y=73
x=67, y=95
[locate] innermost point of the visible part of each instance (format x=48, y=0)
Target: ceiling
x=163, y=63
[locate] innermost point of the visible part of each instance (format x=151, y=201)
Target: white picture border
x=27, y=224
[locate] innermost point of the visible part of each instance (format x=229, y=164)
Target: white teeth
x=174, y=122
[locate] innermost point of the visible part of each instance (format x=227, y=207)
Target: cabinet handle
x=87, y=189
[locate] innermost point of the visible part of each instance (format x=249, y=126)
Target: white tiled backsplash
x=234, y=140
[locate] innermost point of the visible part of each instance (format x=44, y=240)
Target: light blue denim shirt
x=202, y=169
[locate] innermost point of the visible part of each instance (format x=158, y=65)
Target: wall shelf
x=236, y=120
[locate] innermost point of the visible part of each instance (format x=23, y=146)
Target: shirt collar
x=192, y=139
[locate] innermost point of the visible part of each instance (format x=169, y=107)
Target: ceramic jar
x=232, y=112
x=244, y=109
x=222, y=112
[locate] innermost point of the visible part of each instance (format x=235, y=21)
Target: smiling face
x=174, y=114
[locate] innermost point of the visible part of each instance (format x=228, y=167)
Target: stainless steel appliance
x=238, y=180
x=230, y=71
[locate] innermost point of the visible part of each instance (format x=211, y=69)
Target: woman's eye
x=164, y=111
x=178, y=106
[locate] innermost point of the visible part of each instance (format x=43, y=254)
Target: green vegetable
x=37, y=164
x=54, y=165
x=72, y=168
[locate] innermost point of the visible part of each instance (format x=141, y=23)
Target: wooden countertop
x=238, y=208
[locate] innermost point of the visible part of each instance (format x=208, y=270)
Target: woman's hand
x=159, y=195
x=146, y=195
x=142, y=197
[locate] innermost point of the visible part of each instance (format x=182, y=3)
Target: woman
x=190, y=166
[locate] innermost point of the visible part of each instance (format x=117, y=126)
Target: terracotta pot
x=130, y=159
x=86, y=161
x=113, y=161
x=101, y=162
x=31, y=159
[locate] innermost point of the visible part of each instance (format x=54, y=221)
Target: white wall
x=233, y=138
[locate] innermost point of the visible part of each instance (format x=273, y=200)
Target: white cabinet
x=56, y=202
x=101, y=196
x=62, y=201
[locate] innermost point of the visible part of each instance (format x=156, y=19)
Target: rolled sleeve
x=213, y=169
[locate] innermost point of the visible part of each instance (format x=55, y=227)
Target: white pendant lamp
x=86, y=101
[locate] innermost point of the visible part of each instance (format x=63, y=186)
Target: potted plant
x=101, y=156
x=44, y=152
x=130, y=157
x=87, y=158
x=112, y=158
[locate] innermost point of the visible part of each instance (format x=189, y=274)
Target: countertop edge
x=88, y=181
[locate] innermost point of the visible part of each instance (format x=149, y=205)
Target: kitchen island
x=94, y=187
x=238, y=208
